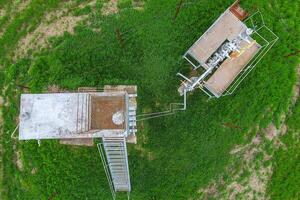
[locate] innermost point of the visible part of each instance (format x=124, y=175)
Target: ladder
x=115, y=163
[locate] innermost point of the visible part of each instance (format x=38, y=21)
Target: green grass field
x=176, y=155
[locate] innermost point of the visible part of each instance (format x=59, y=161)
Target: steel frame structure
x=257, y=32
x=265, y=48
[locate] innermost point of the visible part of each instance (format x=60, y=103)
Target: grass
x=187, y=150
x=285, y=182
x=23, y=22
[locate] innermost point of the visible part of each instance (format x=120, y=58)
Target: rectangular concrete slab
x=48, y=115
x=62, y=115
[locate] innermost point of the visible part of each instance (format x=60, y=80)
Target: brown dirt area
x=130, y=89
x=110, y=7
x=103, y=109
x=39, y=38
x=21, y=5
x=138, y=5
x=2, y=12
x=78, y=141
x=19, y=161
x=17, y=7
x=270, y=132
x=53, y=24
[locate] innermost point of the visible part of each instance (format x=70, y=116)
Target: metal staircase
x=113, y=153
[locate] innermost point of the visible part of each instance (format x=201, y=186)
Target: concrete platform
x=68, y=115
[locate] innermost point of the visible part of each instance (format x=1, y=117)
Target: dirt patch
x=255, y=183
x=248, y=172
x=209, y=192
x=54, y=23
x=78, y=142
x=1, y=101
x=256, y=140
x=91, y=3
x=138, y=5
x=21, y=5
x=283, y=129
x=237, y=149
x=19, y=161
x=2, y=13
x=131, y=139
x=39, y=37
x=53, y=89
x=250, y=154
x=16, y=7
x=271, y=132
x=102, y=110
x=110, y=7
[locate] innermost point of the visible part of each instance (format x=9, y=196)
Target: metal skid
x=254, y=30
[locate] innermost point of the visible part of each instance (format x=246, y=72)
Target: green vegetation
x=175, y=156
x=285, y=182
x=23, y=22
x=293, y=121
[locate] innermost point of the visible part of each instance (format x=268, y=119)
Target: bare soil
x=271, y=132
x=138, y=5
x=78, y=141
x=53, y=24
x=17, y=7
x=39, y=38
x=2, y=12
x=103, y=109
x=19, y=161
x=110, y=7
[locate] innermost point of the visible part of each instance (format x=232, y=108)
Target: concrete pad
x=68, y=115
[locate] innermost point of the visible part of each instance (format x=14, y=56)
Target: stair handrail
x=105, y=165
